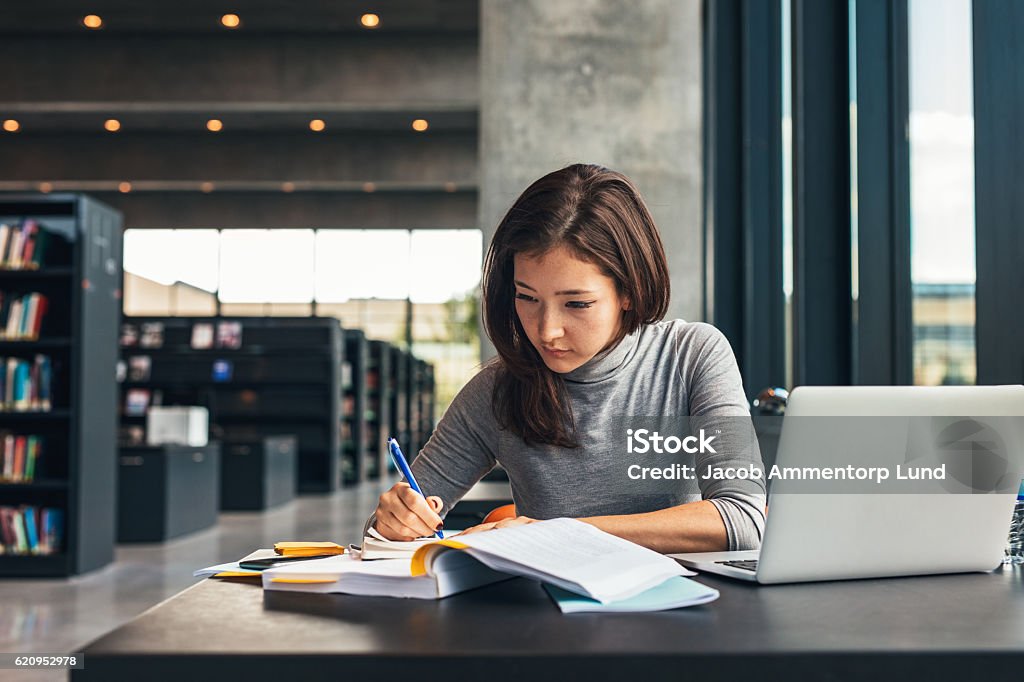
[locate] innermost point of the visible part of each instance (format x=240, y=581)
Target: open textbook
x=564, y=552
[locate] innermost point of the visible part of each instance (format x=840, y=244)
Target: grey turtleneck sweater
x=667, y=369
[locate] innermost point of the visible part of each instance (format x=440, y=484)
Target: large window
x=393, y=284
x=942, y=191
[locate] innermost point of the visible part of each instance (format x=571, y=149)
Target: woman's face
x=570, y=310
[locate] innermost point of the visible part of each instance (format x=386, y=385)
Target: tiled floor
x=61, y=616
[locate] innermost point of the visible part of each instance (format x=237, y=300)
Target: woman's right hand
x=404, y=514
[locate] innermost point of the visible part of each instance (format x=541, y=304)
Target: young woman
x=575, y=284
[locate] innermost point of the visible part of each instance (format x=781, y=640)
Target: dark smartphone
x=260, y=564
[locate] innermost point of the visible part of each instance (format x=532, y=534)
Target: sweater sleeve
x=463, y=447
x=717, y=403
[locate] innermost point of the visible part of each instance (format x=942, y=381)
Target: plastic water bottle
x=1015, y=542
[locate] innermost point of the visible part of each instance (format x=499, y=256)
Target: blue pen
x=403, y=466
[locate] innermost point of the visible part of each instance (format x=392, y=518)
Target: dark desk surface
x=942, y=627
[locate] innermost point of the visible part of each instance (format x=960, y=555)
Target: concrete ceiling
x=260, y=16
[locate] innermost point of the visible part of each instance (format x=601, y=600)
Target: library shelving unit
x=355, y=429
x=400, y=399
x=423, y=400
x=379, y=389
x=258, y=377
x=77, y=267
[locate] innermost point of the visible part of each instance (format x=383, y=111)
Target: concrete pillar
x=600, y=81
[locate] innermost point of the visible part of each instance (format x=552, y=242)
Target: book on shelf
x=222, y=370
x=22, y=247
x=25, y=386
x=19, y=455
x=21, y=315
x=139, y=367
x=151, y=335
x=129, y=335
x=229, y=335
x=29, y=530
x=202, y=335
x=136, y=401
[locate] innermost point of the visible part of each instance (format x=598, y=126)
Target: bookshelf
x=354, y=412
x=67, y=396
x=258, y=377
x=400, y=400
x=422, y=399
x=379, y=421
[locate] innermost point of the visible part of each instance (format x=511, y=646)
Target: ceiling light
x=206, y=187
x=214, y=125
x=12, y=126
x=317, y=125
x=112, y=124
x=420, y=124
x=230, y=21
x=45, y=187
x=370, y=20
x=369, y=187
x=92, y=21
x=124, y=187
x=287, y=186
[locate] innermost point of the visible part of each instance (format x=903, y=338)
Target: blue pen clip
x=403, y=466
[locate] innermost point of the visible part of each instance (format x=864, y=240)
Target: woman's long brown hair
x=601, y=218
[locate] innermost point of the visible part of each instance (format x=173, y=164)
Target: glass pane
x=445, y=264
x=942, y=191
x=787, y=185
x=266, y=266
x=446, y=267
x=362, y=264
x=170, y=272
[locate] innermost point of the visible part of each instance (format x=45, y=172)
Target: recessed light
x=124, y=187
x=214, y=125
x=112, y=124
x=206, y=187
x=230, y=21
x=45, y=187
x=317, y=125
x=370, y=20
x=287, y=186
x=12, y=126
x=369, y=187
x=92, y=21
x=420, y=124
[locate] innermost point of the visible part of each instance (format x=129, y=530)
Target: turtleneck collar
x=606, y=363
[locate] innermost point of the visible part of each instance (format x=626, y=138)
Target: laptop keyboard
x=745, y=564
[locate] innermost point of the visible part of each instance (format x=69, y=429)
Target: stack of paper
x=232, y=569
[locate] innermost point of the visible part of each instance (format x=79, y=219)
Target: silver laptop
x=812, y=536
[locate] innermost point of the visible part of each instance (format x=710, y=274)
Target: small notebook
x=674, y=593
x=307, y=548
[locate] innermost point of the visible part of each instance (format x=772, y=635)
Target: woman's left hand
x=506, y=523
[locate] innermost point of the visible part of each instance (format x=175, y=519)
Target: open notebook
x=376, y=546
x=564, y=552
